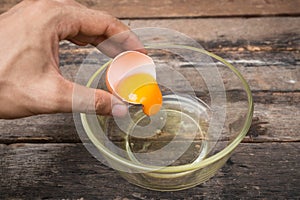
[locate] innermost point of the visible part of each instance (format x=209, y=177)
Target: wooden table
x=42, y=157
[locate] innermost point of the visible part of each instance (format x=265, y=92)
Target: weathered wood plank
x=269, y=33
x=244, y=42
x=41, y=128
x=196, y=8
x=275, y=89
x=268, y=78
x=264, y=70
x=177, y=8
x=229, y=29
x=228, y=34
x=68, y=171
x=275, y=122
x=276, y=118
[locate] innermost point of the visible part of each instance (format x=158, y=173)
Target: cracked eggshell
x=126, y=64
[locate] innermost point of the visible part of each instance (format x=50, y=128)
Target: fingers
x=85, y=26
x=89, y=100
x=120, y=42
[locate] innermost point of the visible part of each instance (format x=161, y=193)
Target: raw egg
x=132, y=77
x=141, y=89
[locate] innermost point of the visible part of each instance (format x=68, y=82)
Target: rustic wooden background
x=41, y=157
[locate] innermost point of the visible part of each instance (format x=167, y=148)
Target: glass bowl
x=207, y=111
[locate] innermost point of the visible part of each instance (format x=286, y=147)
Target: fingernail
x=119, y=110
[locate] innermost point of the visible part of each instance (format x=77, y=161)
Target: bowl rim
x=186, y=167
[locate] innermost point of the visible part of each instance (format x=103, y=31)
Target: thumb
x=89, y=100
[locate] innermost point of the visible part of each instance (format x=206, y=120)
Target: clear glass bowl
x=205, y=115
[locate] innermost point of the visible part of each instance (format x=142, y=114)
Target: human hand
x=30, y=79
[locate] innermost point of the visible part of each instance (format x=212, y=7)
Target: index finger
x=86, y=26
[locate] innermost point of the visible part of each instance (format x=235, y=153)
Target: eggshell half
x=126, y=64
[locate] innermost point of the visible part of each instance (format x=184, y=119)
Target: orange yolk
x=141, y=89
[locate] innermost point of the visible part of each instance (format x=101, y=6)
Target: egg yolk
x=141, y=89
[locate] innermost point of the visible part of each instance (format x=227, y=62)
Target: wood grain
x=264, y=70
x=41, y=128
x=42, y=157
x=194, y=8
x=272, y=122
x=273, y=76
x=253, y=34
x=228, y=29
x=68, y=171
